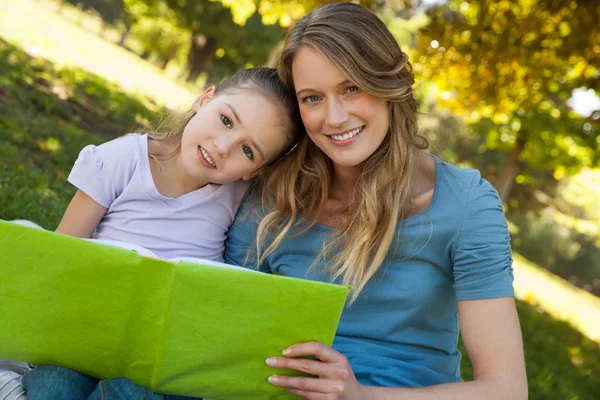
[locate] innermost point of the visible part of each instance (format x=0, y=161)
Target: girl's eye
x=226, y=121
x=310, y=99
x=352, y=89
x=248, y=152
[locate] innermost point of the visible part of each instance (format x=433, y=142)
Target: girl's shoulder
x=125, y=143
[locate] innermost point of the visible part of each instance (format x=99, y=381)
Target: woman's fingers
x=308, y=385
x=312, y=367
x=317, y=349
x=310, y=395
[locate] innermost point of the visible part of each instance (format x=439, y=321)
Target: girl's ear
x=252, y=174
x=203, y=99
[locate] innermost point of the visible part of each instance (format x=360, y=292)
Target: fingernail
x=286, y=352
x=273, y=379
x=271, y=361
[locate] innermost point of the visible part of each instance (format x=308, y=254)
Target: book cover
x=176, y=328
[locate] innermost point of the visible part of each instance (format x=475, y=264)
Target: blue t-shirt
x=402, y=330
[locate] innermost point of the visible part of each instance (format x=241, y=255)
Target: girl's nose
x=224, y=145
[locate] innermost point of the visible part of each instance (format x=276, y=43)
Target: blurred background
x=510, y=87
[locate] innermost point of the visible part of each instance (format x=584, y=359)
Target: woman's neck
x=343, y=181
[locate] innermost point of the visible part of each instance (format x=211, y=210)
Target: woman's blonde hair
x=293, y=195
x=262, y=80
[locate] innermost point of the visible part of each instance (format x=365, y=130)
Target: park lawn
x=40, y=31
x=48, y=114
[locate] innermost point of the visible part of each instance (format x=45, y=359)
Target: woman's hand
x=335, y=377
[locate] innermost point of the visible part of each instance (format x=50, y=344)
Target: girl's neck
x=170, y=178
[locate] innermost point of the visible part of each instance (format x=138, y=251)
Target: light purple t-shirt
x=117, y=176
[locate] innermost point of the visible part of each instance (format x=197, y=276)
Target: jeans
x=49, y=382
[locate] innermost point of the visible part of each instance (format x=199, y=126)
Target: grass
x=37, y=28
x=558, y=296
x=48, y=113
x=46, y=117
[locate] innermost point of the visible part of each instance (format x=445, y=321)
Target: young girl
x=176, y=193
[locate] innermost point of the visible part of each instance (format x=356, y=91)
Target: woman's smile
x=346, y=137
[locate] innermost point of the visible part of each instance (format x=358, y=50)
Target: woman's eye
x=248, y=152
x=352, y=89
x=310, y=99
x=226, y=121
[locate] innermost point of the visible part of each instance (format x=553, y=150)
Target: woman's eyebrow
x=299, y=92
x=344, y=83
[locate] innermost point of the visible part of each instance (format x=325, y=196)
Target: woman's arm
x=82, y=216
x=492, y=337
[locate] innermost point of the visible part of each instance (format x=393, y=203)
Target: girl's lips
x=203, y=160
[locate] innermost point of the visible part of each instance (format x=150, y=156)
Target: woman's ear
x=203, y=99
x=252, y=174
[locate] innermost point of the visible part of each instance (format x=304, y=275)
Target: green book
x=176, y=328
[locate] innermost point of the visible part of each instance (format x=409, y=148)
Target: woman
x=424, y=244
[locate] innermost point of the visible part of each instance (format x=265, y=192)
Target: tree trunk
x=165, y=61
x=124, y=35
x=102, y=27
x=201, y=54
x=506, y=178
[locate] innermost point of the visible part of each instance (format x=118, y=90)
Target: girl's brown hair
x=262, y=80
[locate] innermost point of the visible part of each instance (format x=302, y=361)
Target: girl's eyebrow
x=258, y=148
x=235, y=114
x=237, y=117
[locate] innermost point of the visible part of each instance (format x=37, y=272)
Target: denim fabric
x=58, y=383
x=49, y=382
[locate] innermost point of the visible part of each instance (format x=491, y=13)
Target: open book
x=194, y=329
x=144, y=252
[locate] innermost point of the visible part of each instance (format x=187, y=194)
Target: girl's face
x=231, y=136
x=346, y=123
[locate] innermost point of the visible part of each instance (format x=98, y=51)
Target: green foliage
x=110, y=11
x=46, y=118
x=564, y=237
x=509, y=67
x=160, y=36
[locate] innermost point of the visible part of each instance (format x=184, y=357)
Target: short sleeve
x=102, y=172
x=482, y=257
x=241, y=239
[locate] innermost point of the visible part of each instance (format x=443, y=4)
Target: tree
x=510, y=66
x=215, y=39
x=110, y=11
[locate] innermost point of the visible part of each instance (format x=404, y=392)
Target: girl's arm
x=82, y=216
x=491, y=334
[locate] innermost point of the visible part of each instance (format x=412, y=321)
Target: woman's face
x=342, y=120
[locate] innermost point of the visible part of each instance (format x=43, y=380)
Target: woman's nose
x=336, y=113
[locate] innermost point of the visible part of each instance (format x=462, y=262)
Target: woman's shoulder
x=461, y=184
